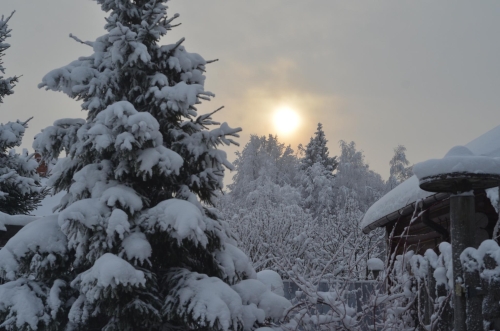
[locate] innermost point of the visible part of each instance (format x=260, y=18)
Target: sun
x=286, y=120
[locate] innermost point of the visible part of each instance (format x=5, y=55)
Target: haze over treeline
x=380, y=74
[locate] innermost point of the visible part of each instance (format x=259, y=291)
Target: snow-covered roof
x=18, y=220
x=409, y=191
x=45, y=209
x=459, y=159
x=48, y=204
x=399, y=197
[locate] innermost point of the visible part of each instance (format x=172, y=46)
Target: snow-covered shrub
x=281, y=206
x=263, y=160
x=329, y=303
x=355, y=174
x=270, y=224
x=263, y=205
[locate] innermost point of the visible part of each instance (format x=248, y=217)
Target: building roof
x=17, y=220
x=45, y=209
x=404, y=195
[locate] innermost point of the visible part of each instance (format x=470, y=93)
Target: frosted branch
x=4, y=21
x=167, y=21
x=88, y=43
x=177, y=44
x=26, y=122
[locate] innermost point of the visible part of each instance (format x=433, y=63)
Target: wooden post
x=474, y=294
x=445, y=321
x=431, y=288
x=422, y=304
x=491, y=302
x=461, y=216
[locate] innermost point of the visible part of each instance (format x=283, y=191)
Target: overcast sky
x=424, y=74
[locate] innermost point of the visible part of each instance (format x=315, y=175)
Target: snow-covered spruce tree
x=399, y=171
x=317, y=186
x=20, y=189
x=136, y=245
x=317, y=152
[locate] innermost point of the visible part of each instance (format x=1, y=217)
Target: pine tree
x=136, y=245
x=317, y=152
x=20, y=190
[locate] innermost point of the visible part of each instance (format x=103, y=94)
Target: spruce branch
x=88, y=43
x=177, y=44
x=26, y=122
x=6, y=20
x=168, y=20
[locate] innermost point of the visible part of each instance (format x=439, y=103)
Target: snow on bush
x=375, y=264
x=234, y=263
x=253, y=291
x=213, y=303
x=272, y=280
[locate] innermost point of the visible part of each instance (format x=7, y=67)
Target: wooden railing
x=479, y=284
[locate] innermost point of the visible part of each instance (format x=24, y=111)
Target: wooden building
x=418, y=220
x=11, y=224
x=9, y=232
x=42, y=169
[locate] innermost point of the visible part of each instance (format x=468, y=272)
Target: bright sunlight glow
x=286, y=120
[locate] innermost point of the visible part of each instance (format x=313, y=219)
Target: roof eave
x=405, y=211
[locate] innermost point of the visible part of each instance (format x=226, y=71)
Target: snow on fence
x=479, y=284
x=415, y=292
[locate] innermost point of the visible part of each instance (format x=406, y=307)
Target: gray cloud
x=424, y=74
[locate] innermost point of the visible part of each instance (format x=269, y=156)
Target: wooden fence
x=479, y=284
x=422, y=288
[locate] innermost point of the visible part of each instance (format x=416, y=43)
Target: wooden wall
x=433, y=226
